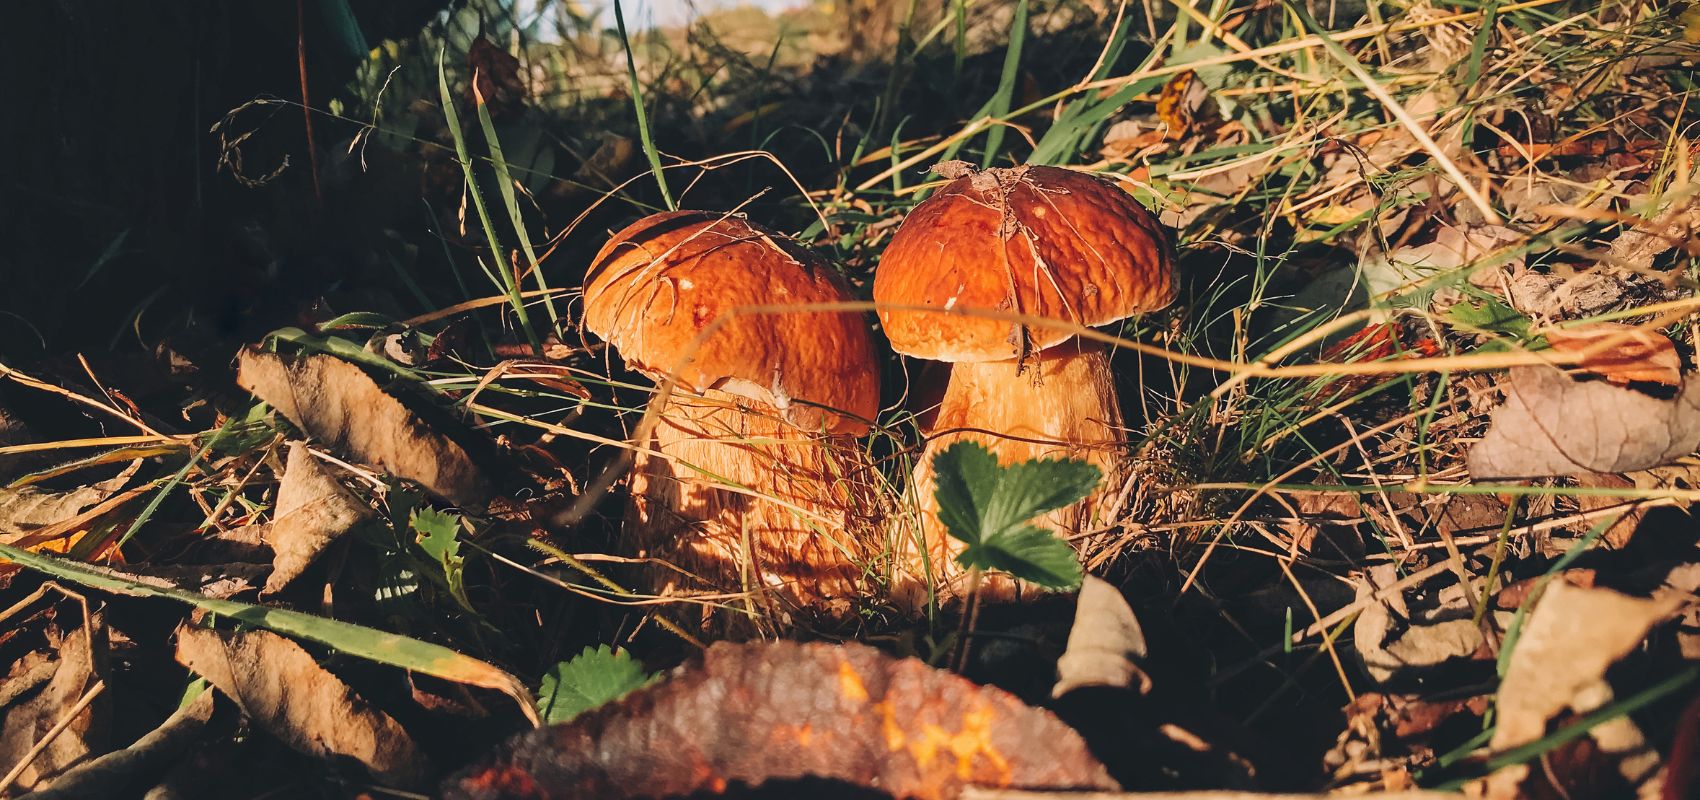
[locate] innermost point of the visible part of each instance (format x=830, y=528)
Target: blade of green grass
x=999, y=105
x=510, y=202
x=360, y=641
x=1490, y=11
x=504, y=276
x=644, y=135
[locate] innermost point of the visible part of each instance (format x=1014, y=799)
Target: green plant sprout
x=989, y=507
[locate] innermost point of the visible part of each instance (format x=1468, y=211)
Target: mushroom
x=752, y=481
x=1041, y=242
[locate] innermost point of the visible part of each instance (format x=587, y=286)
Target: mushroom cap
x=1040, y=241
x=657, y=284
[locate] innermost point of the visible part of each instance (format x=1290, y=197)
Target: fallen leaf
x=338, y=404
x=1603, y=289
x=284, y=691
x=748, y=714
x=1552, y=425
x=1183, y=103
x=1674, y=226
x=1105, y=645
x=27, y=510
x=1127, y=137
x=313, y=509
x=1401, y=269
x=1621, y=354
x=44, y=689
x=1394, y=643
x=1559, y=663
x=495, y=77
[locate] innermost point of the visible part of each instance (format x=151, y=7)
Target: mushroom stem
x=1061, y=405
x=795, y=540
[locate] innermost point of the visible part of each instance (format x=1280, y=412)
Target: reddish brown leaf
x=754, y=713
x=1621, y=354
x=495, y=77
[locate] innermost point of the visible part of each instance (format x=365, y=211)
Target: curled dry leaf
x=1453, y=248
x=44, y=689
x=282, y=689
x=27, y=512
x=1572, y=637
x=1105, y=645
x=313, y=509
x=1395, y=643
x=1621, y=354
x=1675, y=225
x=1552, y=424
x=749, y=714
x=337, y=403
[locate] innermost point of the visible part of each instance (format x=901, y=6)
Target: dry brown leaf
x=749, y=714
x=495, y=77
x=1621, y=354
x=1105, y=645
x=1552, y=425
x=1572, y=637
x=1676, y=225
x=1393, y=641
x=39, y=692
x=1453, y=248
x=26, y=509
x=313, y=509
x=283, y=690
x=337, y=403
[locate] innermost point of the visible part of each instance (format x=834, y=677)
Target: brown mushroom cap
x=657, y=284
x=1041, y=241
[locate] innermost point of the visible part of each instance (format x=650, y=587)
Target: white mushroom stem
x=744, y=503
x=1062, y=405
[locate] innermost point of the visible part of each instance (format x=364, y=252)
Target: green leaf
x=988, y=507
x=1031, y=488
x=1030, y=553
x=438, y=535
x=594, y=677
x=965, y=475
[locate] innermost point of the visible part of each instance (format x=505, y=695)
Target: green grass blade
x=1000, y=103
x=510, y=202
x=360, y=641
x=642, y=115
x=1490, y=13
x=504, y=276
x=339, y=17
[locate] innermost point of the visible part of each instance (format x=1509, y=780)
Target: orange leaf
x=1622, y=354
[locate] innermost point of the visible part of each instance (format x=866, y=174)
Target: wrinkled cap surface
x=1040, y=241
x=656, y=285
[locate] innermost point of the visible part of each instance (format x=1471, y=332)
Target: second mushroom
x=1039, y=242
